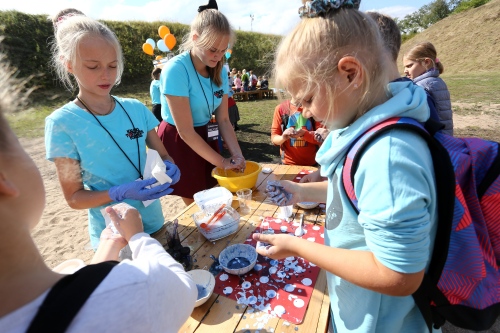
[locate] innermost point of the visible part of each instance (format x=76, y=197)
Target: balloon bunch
x=165, y=44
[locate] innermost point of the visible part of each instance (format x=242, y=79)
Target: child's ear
x=350, y=70
x=7, y=188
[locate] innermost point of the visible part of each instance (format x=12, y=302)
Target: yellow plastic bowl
x=234, y=181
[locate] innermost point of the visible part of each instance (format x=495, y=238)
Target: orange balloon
x=230, y=51
x=170, y=41
x=158, y=57
x=163, y=31
x=147, y=48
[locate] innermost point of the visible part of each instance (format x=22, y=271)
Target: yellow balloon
x=163, y=31
x=170, y=41
x=158, y=57
x=147, y=48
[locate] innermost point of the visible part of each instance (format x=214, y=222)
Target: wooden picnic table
x=258, y=94
x=221, y=314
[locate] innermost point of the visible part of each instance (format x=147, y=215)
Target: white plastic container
x=69, y=266
x=210, y=200
x=226, y=226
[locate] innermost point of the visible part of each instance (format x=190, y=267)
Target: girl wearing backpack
x=331, y=63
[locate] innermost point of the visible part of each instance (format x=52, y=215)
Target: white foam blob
x=246, y=285
x=227, y=290
x=273, y=270
x=252, y=300
x=271, y=293
x=223, y=277
x=311, y=239
x=257, y=267
x=298, y=303
x=306, y=281
x=279, y=310
x=289, y=288
x=264, y=279
x=316, y=227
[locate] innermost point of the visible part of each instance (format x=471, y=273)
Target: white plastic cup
x=244, y=196
x=286, y=211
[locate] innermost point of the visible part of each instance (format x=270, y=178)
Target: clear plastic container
x=224, y=227
x=210, y=200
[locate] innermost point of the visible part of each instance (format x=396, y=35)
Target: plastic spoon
x=300, y=231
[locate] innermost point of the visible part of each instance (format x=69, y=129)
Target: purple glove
x=139, y=190
x=277, y=193
x=173, y=171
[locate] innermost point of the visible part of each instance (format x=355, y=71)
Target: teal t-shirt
x=72, y=132
x=154, y=91
x=179, y=78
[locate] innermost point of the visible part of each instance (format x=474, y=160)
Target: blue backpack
x=462, y=285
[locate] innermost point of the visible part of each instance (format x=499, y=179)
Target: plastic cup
x=244, y=196
x=286, y=211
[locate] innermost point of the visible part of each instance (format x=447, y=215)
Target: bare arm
x=226, y=129
x=153, y=141
x=358, y=267
x=69, y=174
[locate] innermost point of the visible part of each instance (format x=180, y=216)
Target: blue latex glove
x=139, y=190
x=277, y=193
x=173, y=171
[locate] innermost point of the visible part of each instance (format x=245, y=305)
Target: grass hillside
x=465, y=42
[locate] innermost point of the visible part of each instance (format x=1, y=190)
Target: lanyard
x=134, y=133
x=204, y=95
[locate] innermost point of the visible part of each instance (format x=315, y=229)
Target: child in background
x=154, y=91
x=98, y=141
x=377, y=259
x=297, y=146
x=142, y=295
x=237, y=82
x=423, y=67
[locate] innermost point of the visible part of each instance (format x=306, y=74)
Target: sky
x=265, y=16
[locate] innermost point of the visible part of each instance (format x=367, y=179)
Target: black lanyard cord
x=204, y=95
x=112, y=138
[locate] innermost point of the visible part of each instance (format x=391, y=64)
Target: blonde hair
x=68, y=35
x=209, y=25
x=310, y=53
x=422, y=51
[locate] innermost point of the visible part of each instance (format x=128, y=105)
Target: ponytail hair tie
x=317, y=8
x=436, y=61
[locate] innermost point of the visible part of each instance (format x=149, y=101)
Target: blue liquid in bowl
x=238, y=262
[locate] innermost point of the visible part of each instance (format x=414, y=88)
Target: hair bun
x=317, y=8
x=212, y=4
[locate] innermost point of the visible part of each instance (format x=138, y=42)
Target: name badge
x=213, y=131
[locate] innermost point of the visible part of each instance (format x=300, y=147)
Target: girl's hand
x=288, y=133
x=312, y=177
x=299, y=133
x=280, y=245
x=126, y=219
x=287, y=186
x=236, y=163
x=107, y=235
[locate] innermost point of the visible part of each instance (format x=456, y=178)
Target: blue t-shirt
x=71, y=132
x=396, y=192
x=179, y=78
x=154, y=91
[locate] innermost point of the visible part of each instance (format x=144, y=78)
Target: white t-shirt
x=151, y=293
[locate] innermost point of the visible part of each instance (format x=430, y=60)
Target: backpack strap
x=66, y=298
x=445, y=190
